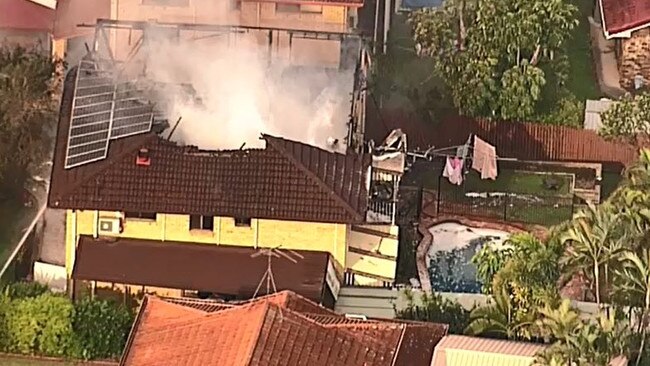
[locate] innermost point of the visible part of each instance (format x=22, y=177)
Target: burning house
x=130, y=178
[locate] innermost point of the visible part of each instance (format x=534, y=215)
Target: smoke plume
x=240, y=94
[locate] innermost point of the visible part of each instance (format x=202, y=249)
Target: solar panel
x=103, y=109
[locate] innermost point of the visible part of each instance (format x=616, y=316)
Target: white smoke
x=243, y=94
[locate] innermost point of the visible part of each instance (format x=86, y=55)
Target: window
x=166, y=2
x=315, y=9
x=198, y=222
x=140, y=215
x=287, y=8
x=243, y=221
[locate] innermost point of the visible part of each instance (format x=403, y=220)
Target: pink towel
x=454, y=170
x=485, y=159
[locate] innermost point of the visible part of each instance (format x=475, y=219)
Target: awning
x=212, y=268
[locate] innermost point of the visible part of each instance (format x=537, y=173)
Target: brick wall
x=635, y=58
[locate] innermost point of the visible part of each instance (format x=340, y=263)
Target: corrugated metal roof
x=593, y=111
x=454, y=350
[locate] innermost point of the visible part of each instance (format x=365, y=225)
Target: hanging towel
x=484, y=159
x=454, y=170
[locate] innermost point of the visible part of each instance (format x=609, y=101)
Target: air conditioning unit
x=356, y=316
x=110, y=225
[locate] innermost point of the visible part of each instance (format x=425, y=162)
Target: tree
x=500, y=319
x=594, y=242
x=101, y=328
x=41, y=325
x=634, y=282
x=434, y=308
x=493, y=53
x=580, y=342
x=27, y=113
x=489, y=261
x=628, y=117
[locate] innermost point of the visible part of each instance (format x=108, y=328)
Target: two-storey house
x=125, y=189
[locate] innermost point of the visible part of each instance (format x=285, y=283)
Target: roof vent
x=142, y=158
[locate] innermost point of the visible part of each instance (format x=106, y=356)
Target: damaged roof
x=624, y=15
x=208, y=268
x=287, y=180
x=267, y=331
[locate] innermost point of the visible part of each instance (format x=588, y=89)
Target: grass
x=550, y=207
x=513, y=181
x=582, y=78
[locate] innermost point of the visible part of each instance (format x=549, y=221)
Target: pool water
x=450, y=256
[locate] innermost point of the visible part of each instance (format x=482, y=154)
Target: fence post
x=573, y=202
x=418, y=207
x=438, y=194
x=505, y=206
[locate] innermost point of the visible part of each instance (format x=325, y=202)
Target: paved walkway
x=605, y=61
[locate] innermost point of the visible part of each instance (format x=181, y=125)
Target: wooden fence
x=524, y=141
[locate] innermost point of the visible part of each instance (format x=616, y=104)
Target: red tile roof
x=624, y=15
x=221, y=269
x=286, y=180
x=265, y=332
x=25, y=15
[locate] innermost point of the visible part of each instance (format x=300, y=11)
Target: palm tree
x=561, y=323
x=499, y=319
x=594, y=242
x=635, y=281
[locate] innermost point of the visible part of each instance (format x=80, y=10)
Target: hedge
x=35, y=321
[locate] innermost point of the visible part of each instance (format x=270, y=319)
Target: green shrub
x=41, y=325
x=434, y=308
x=21, y=290
x=101, y=328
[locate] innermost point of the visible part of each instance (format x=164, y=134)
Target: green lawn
x=582, y=78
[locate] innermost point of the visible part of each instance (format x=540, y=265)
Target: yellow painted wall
x=326, y=237
x=255, y=14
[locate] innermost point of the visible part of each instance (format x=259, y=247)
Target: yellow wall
x=323, y=52
x=326, y=237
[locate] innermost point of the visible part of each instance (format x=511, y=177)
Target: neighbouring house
x=279, y=23
x=279, y=329
x=628, y=23
x=26, y=23
x=116, y=177
x=455, y=350
x=70, y=40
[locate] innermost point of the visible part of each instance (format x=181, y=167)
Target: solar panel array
x=102, y=110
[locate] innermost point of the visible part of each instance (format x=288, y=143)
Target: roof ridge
x=251, y=351
x=214, y=316
x=323, y=185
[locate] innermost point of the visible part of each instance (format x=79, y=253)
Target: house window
x=314, y=9
x=199, y=222
x=243, y=221
x=166, y=2
x=287, y=8
x=140, y=215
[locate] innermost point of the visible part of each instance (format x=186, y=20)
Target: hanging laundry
x=484, y=159
x=454, y=170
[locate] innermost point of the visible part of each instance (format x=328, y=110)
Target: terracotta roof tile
x=624, y=15
x=287, y=180
x=266, y=332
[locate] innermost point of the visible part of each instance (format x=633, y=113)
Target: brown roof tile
x=287, y=180
x=212, y=268
x=281, y=336
x=625, y=15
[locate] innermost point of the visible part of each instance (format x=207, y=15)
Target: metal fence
x=524, y=141
x=505, y=206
